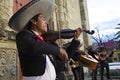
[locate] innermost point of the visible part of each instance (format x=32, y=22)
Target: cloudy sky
x=103, y=11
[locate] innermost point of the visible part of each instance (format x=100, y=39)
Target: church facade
x=68, y=14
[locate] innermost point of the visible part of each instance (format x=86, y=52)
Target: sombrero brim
x=19, y=20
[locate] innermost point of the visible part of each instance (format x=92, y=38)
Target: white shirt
x=49, y=74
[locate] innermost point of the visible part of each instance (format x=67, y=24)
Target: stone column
x=61, y=24
x=85, y=22
x=60, y=13
x=8, y=52
x=85, y=26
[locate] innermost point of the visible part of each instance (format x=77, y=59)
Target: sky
x=104, y=11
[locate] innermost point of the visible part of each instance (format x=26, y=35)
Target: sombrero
x=20, y=19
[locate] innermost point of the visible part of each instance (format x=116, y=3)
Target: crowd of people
x=45, y=60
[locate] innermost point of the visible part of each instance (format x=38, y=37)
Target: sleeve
x=76, y=55
x=72, y=47
x=111, y=54
x=30, y=45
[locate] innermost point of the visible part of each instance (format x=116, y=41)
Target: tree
x=117, y=38
x=103, y=40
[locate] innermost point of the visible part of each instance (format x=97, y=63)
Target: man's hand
x=77, y=33
x=63, y=55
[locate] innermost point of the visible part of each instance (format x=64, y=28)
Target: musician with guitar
x=93, y=53
x=103, y=61
x=76, y=66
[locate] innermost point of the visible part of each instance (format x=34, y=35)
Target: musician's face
x=103, y=52
x=40, y=24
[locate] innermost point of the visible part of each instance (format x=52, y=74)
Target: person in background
x=94, y=54
x=103, y=56
x=33, y=50
x=77, y=69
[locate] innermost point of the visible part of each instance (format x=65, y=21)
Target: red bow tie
x=40, y=38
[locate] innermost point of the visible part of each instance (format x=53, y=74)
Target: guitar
x=86, y=61
x=104, y=56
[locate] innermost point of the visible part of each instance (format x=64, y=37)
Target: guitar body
x=89, y=62
x=96, y=56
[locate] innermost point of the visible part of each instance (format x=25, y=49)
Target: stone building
x=68, y=14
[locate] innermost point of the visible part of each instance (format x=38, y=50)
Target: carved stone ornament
x=5, y=8
x=3, y=25
x=8, y=64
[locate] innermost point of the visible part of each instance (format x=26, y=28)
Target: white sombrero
x=19, y=20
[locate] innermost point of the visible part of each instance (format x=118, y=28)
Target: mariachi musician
x=103, y=60
x=77, y=67
x=31, y=22
x=93, y=53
